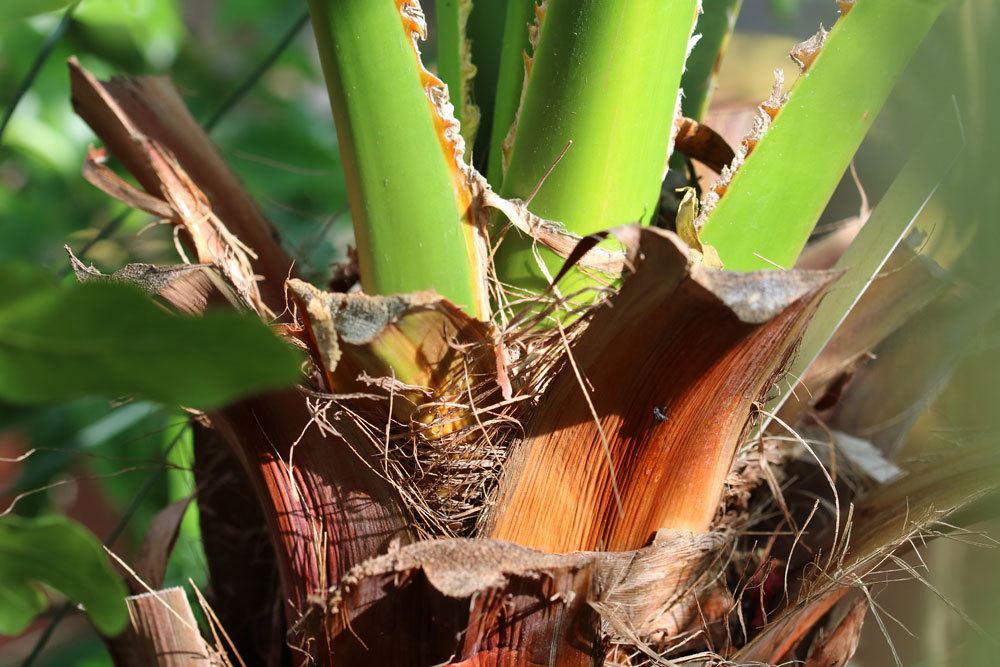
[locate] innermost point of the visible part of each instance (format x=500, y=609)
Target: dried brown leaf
x=886, y=523
x=837, y=648
x=700, y=142
x=189, y=287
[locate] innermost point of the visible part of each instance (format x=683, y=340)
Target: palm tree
x=547, y=428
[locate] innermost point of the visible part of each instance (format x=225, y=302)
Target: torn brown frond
x=190, y=212
x=144, y=124
x=700, y=142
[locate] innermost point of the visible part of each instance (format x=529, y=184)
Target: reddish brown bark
x=325, y=508
x=244, y=591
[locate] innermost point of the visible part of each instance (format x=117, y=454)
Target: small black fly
x=659, y=414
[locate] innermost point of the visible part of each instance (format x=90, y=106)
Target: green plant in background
x=64, y=555
x=464, y=474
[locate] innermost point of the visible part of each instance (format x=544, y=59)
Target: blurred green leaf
x=69, y=432
x=12, y=10
x=786, y=9
x=18, y=605
x=64, y=555
x=60, y=342
x=890, y=222
x=152, y=27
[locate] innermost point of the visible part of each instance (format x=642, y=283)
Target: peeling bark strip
x=145, y=124
x=676, y=364
x=189, y=211
x=494, y=603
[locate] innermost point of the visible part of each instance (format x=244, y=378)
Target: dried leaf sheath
x=676, y=363
x=493, y=604
x=418, y=339
x=441, y=417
